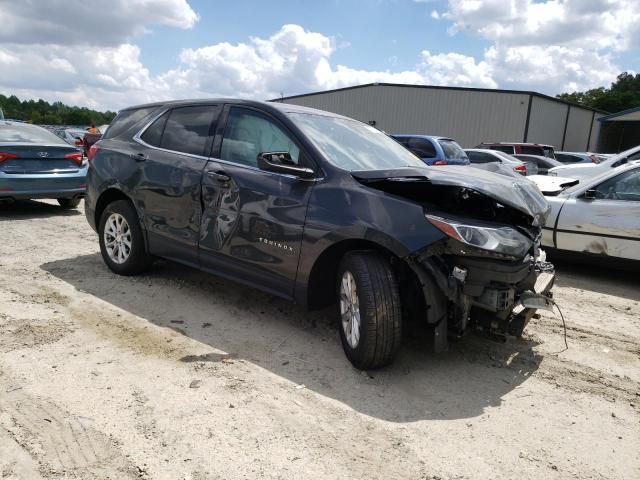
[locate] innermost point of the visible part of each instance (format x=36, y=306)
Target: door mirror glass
x=281, y=162
x=591, y=194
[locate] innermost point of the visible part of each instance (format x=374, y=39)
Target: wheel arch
x=110, y=195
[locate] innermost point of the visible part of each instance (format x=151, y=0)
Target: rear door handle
x=139, y=157
x=220, y=176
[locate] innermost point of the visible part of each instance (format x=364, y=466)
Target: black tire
x=380, y=326
x=69, y=202
x=138, y=259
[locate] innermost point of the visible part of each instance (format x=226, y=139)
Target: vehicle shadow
x=598, y=278
x=28, y=209
x=304, y=347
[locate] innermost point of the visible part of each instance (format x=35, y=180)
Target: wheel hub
x=117, y=238
x=350, y=309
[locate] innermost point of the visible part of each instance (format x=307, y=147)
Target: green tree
x=624, y=93
x=57, y=113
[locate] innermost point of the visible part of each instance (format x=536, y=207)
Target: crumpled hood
x=518, y=193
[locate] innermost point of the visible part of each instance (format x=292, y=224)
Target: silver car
x=485, y=155
x=599, y=216
x=591, y=170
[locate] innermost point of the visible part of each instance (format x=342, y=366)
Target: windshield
x=452, y=149
x=352, y=145
x=27, y=134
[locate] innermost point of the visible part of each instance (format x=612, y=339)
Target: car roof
x=429, y=137
x=269, y=106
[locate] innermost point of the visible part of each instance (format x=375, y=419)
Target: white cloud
x=549, y=46
x=81, y=22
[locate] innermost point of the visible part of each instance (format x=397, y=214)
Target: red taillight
x=440, y=162
x=93, y=150
x=521, y=169
x=594, y=159
x=7, y=156
x=74, y=157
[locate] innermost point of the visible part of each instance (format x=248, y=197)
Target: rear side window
x=548, y=152
x=452, y=149
x=187, y=129
x=529, y=150
x=503, y=148
x=481, y=157
x=153, y=134
x=566, y=158
x=421, y=147
x=127, y=119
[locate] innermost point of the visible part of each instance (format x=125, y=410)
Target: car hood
x=552, y=185
x=518, y=193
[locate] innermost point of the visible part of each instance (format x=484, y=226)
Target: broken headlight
x=504, y=240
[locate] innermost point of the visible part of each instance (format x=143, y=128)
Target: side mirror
x=281, y=162
x=590, y=194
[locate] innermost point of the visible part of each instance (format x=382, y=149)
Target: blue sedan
x=35, y=163
x=434, y=150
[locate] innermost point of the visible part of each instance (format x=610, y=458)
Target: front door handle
x=220, y=176
x=139, y=157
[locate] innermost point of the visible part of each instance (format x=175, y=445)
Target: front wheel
x=68, y=202
x=122, y=243
x=370, y=312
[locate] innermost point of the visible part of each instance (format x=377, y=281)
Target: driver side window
x=249, y=133
x=625, y=186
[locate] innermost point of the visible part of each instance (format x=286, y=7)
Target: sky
x=116, y=53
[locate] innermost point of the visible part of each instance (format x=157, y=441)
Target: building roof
x=442, y=87
x=629, y=115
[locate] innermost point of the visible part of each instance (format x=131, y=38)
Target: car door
x=252, y=223
x=606, y=224
x=171, y=153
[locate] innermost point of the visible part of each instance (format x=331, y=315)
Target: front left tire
x=122, y=242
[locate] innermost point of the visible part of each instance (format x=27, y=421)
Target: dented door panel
x=602, y=227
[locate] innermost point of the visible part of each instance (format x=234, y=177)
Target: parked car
x=35, y=163
x=598, y=216
x=518, y=148
x=103, y=128
x=434, y=150
x=484, y=155
x=543, y=164
x=570, y=158
x=72, y=136
x=591, y=170
x=319, y=209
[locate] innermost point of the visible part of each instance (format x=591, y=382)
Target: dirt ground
x=181, y=375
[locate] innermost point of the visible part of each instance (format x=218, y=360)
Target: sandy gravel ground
x=181, y=375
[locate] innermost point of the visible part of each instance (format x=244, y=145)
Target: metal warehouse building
x=469, y=115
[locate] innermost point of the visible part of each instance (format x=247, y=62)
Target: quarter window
x=249, y=133
x=187, y=129
x=153, y=134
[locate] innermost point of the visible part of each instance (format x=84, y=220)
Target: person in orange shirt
x=92, y=129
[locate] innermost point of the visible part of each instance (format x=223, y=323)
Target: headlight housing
x=503, y=240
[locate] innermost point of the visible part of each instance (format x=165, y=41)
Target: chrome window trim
x=138, y=139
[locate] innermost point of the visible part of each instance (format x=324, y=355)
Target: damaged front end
x=488, y=273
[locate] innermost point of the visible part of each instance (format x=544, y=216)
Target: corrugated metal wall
x=470, y=117
x=546, y=122
x=578, y=126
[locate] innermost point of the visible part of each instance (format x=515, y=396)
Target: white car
x=590, y=170
x=599, y=216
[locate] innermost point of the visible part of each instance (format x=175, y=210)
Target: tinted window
x=566, y=158
x=353, y=145
x=452, y=149
x=548, y=152
x=481, y=157
x=421, y=147
x=28, y=134
x=502, y=148
x=529, y=150
x=249, y=133
x=127, y=119
x=153, y=134
x=187, y=129
x=625, y=186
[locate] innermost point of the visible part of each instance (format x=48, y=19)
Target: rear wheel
x=69, y=202
x=121, y=240
x=370, y=312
